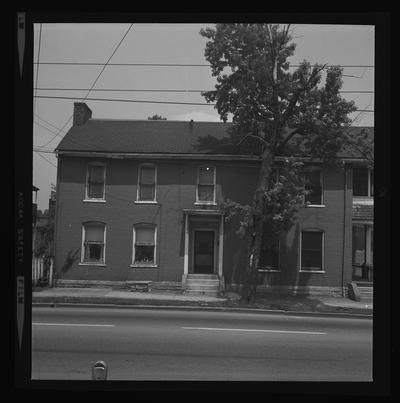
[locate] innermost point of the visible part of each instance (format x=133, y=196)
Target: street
x=157, y=344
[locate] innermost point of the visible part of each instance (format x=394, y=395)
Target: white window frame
x=323, y=268
x=370, y=173
x=321, y=179
x=144, y=225
x=95, y=199
x=82, y=262
x=154, y=201
x=206, y=202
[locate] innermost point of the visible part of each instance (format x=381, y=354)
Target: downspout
x=344, y=227
x=56, y=219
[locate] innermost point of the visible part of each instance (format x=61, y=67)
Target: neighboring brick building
x=139, y=200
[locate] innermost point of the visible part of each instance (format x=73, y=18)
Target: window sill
x=144, y=265
x=312, y=271
x=94, y=200
x=205, y=204
x=145, y=202
x=262, y=270
x=315, y=205
x=92, y=264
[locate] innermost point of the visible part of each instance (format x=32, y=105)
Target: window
x=93, y=249
x=144, y=239
x=95, y=182
x=269, y=256
x=313, y=183
x=147, y=183
x=363, y=182
x=206, y=185
x=311, y=251
x=362, y=244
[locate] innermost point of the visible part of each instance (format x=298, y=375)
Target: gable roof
x=158, y=136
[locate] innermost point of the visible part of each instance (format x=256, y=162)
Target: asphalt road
x=144, y=344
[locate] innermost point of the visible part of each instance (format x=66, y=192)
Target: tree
x=274, y=112
x=156, y=117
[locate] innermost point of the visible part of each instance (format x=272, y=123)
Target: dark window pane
x=146, y=192
x=145, y=235
x=94, y=232
x=311, y=250
x=313, y=184
x=147, y=175
x=144, y=254
x=206, y=193
x=95, y=190
x=372, y=183
x=94, y=253
x=206, y=175
x=358, y=244
x=96, y=174
x=360, y=181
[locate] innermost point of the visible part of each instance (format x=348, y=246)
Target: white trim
x=186, y=255
x=95, y=199
x=143, y=266
x=144, y=225
x=315, y=205
x=146, y=164
x=215, y=262
x=221, y=247
x=323, y=269
x=206, y=202
x=82, y=262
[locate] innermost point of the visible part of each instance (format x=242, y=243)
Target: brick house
x=139, y=200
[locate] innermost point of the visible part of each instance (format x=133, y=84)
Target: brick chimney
x=81, y=113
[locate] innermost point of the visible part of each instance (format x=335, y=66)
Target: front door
x=204, y=252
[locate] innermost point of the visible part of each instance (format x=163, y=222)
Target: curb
x=166, y=305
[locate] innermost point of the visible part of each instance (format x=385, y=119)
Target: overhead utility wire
x=45, y=121
x=170, y=64
x=95, y=81
x=40, y=155
x=37, y=68
x=157, y=90
x=141, y=101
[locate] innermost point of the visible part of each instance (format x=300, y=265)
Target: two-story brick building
x=139, y=200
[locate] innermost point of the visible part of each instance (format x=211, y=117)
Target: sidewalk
x=174, y=299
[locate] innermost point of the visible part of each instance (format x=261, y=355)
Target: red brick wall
x=176, y=190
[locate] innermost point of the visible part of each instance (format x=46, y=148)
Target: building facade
x=138, y=200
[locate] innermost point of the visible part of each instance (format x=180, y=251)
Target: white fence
x=39, y=273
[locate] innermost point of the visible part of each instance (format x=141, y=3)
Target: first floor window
x=93, y=242
x=269, y=256
x=95, y=181
x=311, y=250
x=144, y=245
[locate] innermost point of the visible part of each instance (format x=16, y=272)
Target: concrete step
x=202, y=287
x=201, y=281
x=202, y=292
x=203, y=276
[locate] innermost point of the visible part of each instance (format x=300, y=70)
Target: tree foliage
x=275, y=111
x=156, y=117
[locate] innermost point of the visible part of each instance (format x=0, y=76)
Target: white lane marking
x=250, y=330
x=70, y=324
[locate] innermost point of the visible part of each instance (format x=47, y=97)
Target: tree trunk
x=256, y=231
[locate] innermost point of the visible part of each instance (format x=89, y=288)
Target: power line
x=142, y=101
x=45, y=151
x=159, y=90
x=40, y=155
x=45, y=121
x=169, y=64
x=37, y=69
x=94, y=83
x=44, y=127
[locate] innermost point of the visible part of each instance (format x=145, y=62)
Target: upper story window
x=147, y=183
x=144, y=245
x=363, y=182
x=205, y=192
x=314, y=184
x=312, y=250
x=93, y=243
x=95, y=181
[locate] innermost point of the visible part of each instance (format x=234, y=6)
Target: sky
x=181, y=43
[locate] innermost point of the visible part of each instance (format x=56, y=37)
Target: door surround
x=192, y=238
